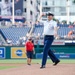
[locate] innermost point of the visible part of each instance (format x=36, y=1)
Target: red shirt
x=29, y=46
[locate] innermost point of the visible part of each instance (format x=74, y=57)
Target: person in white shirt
x=50, y=31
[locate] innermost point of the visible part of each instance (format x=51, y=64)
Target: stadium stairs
x=2, y=40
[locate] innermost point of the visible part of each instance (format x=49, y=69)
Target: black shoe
x=42, y=67
x=56, y=63
x=28, y=64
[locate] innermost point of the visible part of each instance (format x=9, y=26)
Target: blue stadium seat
x=15, y=33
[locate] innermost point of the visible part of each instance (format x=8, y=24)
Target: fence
x=61, y=51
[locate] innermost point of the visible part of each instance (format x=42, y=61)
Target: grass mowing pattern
x=34, y=61
x=6, y=67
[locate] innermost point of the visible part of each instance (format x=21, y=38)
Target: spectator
x=71, y=26
x=9, y=41
x=70, y=34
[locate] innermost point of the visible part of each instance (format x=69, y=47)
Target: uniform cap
x=50, y=14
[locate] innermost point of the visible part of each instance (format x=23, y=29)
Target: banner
x=18, y=52
x=18, y=7
x=66, y=56
x=6, y=10
x=61, y=56
x=2, y=52
x=6, y=7
x=55, y=42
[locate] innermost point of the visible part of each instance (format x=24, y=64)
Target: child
x=29, y=46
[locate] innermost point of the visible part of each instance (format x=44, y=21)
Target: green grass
x=21, y=61
x=6, y=67
x=34, y=61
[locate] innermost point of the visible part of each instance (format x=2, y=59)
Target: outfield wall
x=61, y=51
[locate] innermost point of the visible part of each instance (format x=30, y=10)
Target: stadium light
x=13, y=12
x=40, y=7
x=68, y=10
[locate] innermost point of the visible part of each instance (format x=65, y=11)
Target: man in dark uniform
x=50, y=31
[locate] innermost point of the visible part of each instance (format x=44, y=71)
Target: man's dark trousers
x=48, y=39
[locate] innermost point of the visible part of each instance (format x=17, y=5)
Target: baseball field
x=19, y=67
